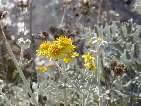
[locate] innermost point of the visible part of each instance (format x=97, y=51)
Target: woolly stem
x=83, y=100
x=98, y=78
x=65, y=88
x=18, y=67
x=65, y=95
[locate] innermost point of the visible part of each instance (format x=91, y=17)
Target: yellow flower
x=55, y=52
x=42, y=69
x=89, y=62
x=43, y=49
x=64, y=41
x=66, y=44
x=61, y=48
x=90, y=66
x=88, y=57
x=70, y=57
x=67, y=60
x=74, y=54
x=45, y=45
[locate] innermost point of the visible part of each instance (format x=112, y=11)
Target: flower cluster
x=97, y=41
x=61, y=48
x=24, y=43
x=89, y=62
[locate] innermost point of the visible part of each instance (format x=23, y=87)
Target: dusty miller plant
x=78, y=86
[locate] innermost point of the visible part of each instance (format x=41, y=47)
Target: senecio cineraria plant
x=107, y=73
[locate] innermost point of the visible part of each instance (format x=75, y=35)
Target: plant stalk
x=65, y=95
x=98, y=77
x=65, y=88
x=18, y=68
x=83, y=100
